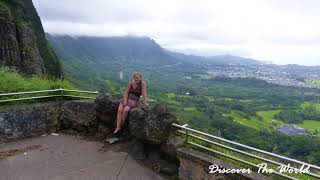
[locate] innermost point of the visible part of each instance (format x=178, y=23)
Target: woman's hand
x=125, y=103
x=144, y=93
x=145, y=103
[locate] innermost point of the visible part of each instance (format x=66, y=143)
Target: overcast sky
x=281, y=31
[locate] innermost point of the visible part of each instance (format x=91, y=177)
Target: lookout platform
x=67, y=157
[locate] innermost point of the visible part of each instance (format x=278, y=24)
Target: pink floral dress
x=133, y=95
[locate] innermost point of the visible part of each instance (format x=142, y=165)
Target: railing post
x=61, y=94
x=186, y=139
x=187, y=135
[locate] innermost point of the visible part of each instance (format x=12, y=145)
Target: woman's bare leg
x=119, y=118
x=125, y=115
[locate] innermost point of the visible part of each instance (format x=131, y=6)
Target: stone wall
x=36, y=119
x=78, y=116
x=28, y=120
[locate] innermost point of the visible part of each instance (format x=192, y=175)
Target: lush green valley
x=242, y=117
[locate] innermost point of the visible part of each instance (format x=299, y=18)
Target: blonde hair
x=137, y=73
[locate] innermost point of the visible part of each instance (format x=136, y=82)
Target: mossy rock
x=5, y=12
x=23, y=13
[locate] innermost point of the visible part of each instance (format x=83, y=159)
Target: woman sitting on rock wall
x=131, y=97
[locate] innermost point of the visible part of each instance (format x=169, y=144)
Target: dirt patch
x=14, y=152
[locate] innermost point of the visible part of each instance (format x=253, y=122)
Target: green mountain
x=140, y=50
x=23, y=45
x=96, y=62
x=219, y=60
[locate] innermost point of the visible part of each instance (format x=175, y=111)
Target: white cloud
x=284, y=31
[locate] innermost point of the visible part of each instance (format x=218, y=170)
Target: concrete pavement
x=67, y=157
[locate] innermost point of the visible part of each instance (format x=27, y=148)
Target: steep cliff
x=22, y=41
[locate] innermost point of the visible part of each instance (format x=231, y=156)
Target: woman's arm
x=144, y=93
x=126, y=93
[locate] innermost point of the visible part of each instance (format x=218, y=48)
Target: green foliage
x=290, y=116
x=51, y=62
x=11, y=81
x=305, y=112
x=222, y=116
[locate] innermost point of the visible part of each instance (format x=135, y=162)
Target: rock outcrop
x=79, y=116
x=152, y=125
x=22, y=41
x=155, y=140
x=9, y=47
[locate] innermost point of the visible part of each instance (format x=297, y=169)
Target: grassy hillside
x=12, y=81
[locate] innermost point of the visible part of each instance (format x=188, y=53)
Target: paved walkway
x=66, y=157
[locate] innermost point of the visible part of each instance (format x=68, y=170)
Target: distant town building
x=121, y=75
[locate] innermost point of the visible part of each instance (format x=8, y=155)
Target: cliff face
x=22, y=42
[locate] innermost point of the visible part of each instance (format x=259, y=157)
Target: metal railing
x=215, y=140
x=48, y=94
